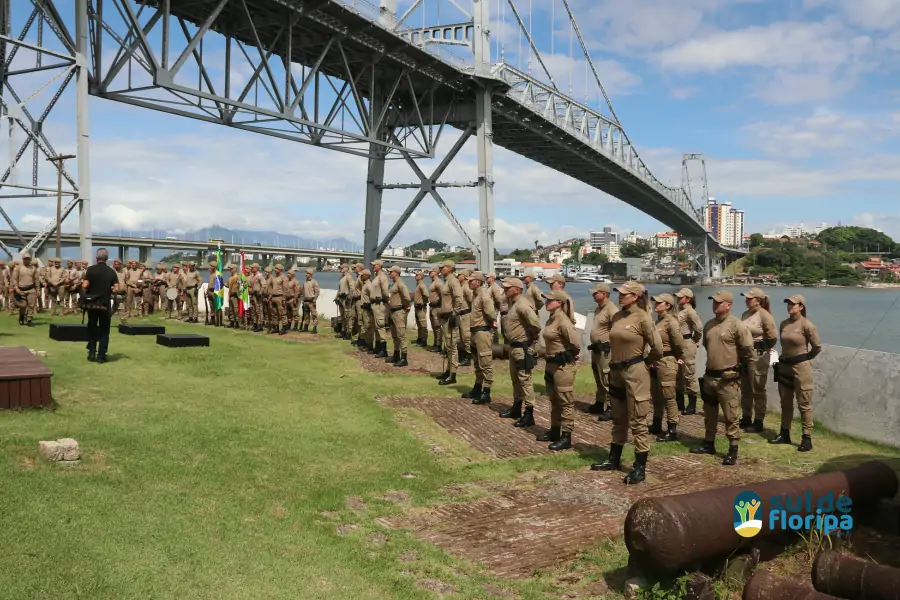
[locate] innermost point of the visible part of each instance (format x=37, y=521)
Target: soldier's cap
x=600, y=287
x=175, y=266
x=193, y=263
x=632, y=287
x=511, y=282
x=477, y=276
x=796, y=299
x=309, y=271
x=279, y=266
x=377, y=262
x=395, y=269
x=343, y=266
x=213, y=264
x=684, y=293
x=449, y=263
x=554, y=295
x=664, y=298
x=556, y=277
x=160, y=266
x=70, y=261
x=434, y=269
x=420, y=273
x=254, y=266
x=25, y=255
x=754, y=293
x=529, y=272
x=268, y=269
x=722, y=296
x=57, y=259
x=365, y=272
x=292, y=270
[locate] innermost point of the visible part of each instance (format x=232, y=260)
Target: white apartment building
x=598, y=238
x=664, y=240
x=398, y=251
x=558, y=256
x=724, y=221
x=801, y=230
x=612, y=252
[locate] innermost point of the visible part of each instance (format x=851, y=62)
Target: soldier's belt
x=561, y=358
x=276, y=295
x=788, y=360
x=624, y=364
x=668, y=353
x=377, y=301
x=464, y=311
x=396, y=308
x=604, y=347
x=434, y=304
x=26, y=288
x=760, y=345
x=503, y=313
x=309, y=299
x=522, y=345
x=367, y=306
x=718, y=373
x=191, y=287
x=480, y=328
x=420, y=306
x=687, y=336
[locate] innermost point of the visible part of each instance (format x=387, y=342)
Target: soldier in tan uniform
x=758, y=319
x=344, y=303
x=532, y=291
x=728, y=348
x=420, y=301
x=465, y=336
x=434, y=309
x=500, y=306
x=563, y=344
x=70, y=303
x=158, y=288
x=558, y=283
x=522, y=330
x=4, y=285
x=39, y=283
x=600, y=349
x=56, y=286
x=664, y=372
x=366, y=331
x=378, y=296
x=452, y=304
x=119, y=308
x=484, y=317
x=399, y=303
x=173, y=281
x=800, y=344
x=146, y=294
x=691, y=334
x=257, y=287
x=629, y=379
x=310, y=298
x=24, y=281
x=213, y=316
x=234, y=295
x=356, y=310
x=192, y=282
x=12, y=305
x=292, y=291
x=277, y=289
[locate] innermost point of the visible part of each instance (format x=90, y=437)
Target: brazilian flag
x=219, y=297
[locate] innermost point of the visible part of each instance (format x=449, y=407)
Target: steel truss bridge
x=340, y=74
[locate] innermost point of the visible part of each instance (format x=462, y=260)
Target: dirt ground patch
x=420, y=361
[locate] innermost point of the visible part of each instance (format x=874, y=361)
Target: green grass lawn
x=224, y=472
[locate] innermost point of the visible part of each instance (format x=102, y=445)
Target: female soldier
x=759, y=321
x=664, y=373
x=629, y=379
x=563, y=346
x=799, y=345
x=691, y=334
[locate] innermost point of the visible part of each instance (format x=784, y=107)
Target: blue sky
x=795, y=103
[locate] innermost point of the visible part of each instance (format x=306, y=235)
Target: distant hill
x=428, y=245
x=244, y=236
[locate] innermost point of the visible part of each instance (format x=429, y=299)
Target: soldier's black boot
x=679, y=401
x=473, y=393
x=551, y=435
x=671, y=435
x=745, y=421
x=373, y=348
x=638, y=470
x=527, y=418
x=315, y=329
x=465, y=360
x=730, y=458
x=563, y=443
x=691, y=408
x=484, y=398
x=92, y=356
x=606, y=415
x=594, y=409
x=755, y=427
x=805, y=444
x=514, y=412
x=394, y=358
x=656, y=428
x=613, y=462
x=285, y=329
x=784, y=437
x=704, y=448
x=382, y=350
x=403, y=362
x=29, y=323
x=21, y=319
x=448, y=380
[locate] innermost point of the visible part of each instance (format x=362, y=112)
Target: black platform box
x=68, y=333
x=182, y=340
x=141, y=329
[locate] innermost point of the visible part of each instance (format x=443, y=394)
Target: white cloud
x=683, y=93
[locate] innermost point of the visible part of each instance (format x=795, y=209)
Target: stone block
x=70, y=449
x=51, y=451
x=700, y=586
x=634, y=587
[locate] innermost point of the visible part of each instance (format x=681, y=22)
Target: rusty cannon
x=669, y=534
x=854, y=579
x=766, y=586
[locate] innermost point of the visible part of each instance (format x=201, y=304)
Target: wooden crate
x=24, y=379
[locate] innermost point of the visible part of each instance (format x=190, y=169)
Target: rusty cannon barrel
x=854, y=579
x=668, y=534
x=766, y=586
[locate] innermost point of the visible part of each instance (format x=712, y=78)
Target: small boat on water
x=590, y=278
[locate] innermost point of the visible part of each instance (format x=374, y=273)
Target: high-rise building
x=724, y=222
x=601, y=238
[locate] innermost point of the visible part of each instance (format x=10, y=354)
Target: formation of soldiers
x=640, y=368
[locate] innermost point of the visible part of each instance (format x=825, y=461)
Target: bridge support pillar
x=123, y=254
x=485, y=151
x=374, y=192
x=320, y=262
x=83, y=128
x=144, y=255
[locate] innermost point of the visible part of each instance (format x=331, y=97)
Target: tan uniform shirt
x=727, y=343
x=234, y=285
x=56, y=276
x=191, y=279
x=4, y=280
x=799, y=336
x=452, y=296
x=380, y=287
x=365, y=290
x=631, y=331
x=602, y=323
x=761, y=326
x=499, y=298
x=468, y=295
x=173, y=280
x=689, y=322
x=132, y=277
x=23, y=276
x=483, y=312
x=277, y=284
x=522, y=323
x=78, y=278
x=533, y=295
x=560, y=335
x=399, y=295
x=670, y=335
x=293, y=288
x=420, y=295
x=257, y=283
x=122, y=274
x=310, y=290
x=345, y=285
x=568, y=306
x=434, y=295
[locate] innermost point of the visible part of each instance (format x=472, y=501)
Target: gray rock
x=51, y=451
x=634, y=586
x=70, y=449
